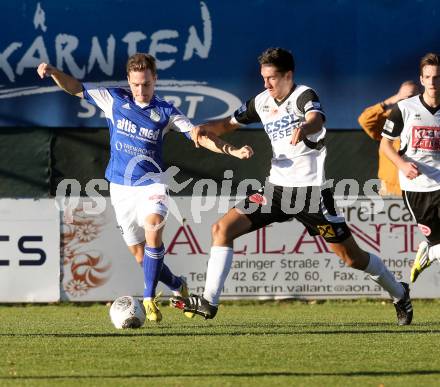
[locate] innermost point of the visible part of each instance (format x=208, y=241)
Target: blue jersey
x=136, y=133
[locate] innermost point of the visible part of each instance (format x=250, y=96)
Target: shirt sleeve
x=246, y=113
x=98, y=96
x=308, y=101
x=178, y=122
x=394, y=124
x=372, y=121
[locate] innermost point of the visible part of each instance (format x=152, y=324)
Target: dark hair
x=429, y=59
x=279, y=58
x=141, y=62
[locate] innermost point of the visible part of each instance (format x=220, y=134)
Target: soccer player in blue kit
x=138, y=121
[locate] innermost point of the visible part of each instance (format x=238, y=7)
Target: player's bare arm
x=312, y=125
x=215, y=144
x=66, y=82
x=409, y=169
x=217, y=127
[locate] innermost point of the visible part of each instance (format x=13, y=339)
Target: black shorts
x=425, y=209
x=313, y=207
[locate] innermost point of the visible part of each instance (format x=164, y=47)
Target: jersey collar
x=432, y=110
x=279, y=103
x=142, y=107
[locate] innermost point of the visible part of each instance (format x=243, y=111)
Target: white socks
x=382, y=276
x=219, y=264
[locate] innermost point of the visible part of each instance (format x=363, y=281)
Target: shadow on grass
x=229, y=374
x=245, y=332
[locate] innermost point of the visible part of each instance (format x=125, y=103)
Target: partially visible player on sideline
x=372, y=120
x=138, y=121
x=293, y=119
x=416, y=121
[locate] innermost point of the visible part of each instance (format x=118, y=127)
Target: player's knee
x=138, y=253
x=218, y=231
x=139, y=258
x=345, y=255
x=350, y=252
x=354, y=260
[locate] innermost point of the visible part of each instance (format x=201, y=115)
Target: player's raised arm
x=66, y=82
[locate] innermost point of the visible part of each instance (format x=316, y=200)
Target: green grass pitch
x=334, y=343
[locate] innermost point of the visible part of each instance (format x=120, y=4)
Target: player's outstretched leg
x=399, y=291
x=224, y=231
x=195, y=304
x=219, y=264
x=349, y=251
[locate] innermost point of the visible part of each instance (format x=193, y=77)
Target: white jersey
x=301, y=165
x=418, y=126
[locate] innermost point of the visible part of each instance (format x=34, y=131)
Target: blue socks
x=156, y=270
x=169, y=279
x=153, y=262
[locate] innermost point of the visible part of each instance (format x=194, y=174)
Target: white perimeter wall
x=92, y=262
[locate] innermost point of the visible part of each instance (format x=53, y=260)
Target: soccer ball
x=127, y=312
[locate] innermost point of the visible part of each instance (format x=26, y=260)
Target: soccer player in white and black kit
x=416, y=121
x=293, y=118
x=138, y=120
